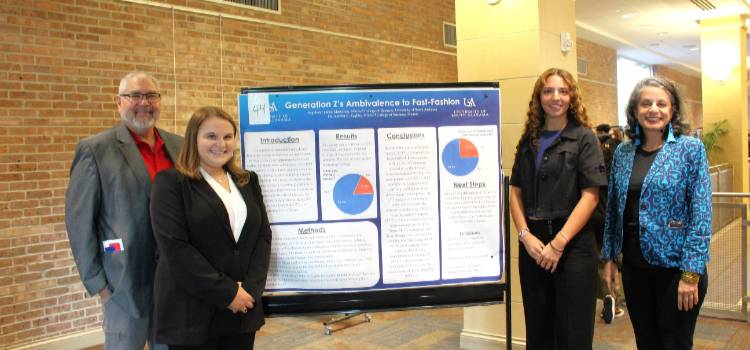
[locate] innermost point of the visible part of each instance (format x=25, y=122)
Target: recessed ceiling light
x=627, y=15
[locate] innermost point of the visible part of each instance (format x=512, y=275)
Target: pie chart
x=460, y=157
x=353, y=194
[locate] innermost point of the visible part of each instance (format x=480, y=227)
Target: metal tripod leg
x=328, y=325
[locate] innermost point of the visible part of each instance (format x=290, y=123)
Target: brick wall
x=599, y=85
x=691, y=91
x=61, y=60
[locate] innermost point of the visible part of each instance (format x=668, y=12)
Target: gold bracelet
x=690, y=277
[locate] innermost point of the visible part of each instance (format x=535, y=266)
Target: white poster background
x=409, y=211
x=285, y=163
x=259, y=109
x=324, y=256
x=470, y=207
x=344, y=152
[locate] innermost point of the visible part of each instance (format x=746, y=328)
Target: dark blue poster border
x=428, y=98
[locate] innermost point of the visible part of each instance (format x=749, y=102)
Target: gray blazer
x=108, y=198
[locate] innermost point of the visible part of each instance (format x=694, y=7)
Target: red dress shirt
x=156, y=159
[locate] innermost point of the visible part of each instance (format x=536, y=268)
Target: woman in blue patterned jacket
x=659, y=216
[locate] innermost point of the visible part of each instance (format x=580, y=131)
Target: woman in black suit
x=214, y=242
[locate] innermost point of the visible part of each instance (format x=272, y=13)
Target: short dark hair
x=603, y=127
x=679, y=126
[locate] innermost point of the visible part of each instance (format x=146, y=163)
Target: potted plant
x=711, y=137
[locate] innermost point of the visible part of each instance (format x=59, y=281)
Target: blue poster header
x=368, y=108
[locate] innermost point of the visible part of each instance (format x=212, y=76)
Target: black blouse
x=632, y=253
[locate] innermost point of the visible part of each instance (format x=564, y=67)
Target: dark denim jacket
x=573, y=162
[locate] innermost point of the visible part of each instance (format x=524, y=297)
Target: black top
x=573, y=162
x=632, y=253
x=641, y=164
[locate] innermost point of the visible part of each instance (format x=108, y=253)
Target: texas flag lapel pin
x=113, y=246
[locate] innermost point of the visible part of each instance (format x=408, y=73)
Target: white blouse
x=233, y=201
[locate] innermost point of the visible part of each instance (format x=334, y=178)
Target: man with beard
x=107, y=211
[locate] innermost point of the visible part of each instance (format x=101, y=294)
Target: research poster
x=377, y=187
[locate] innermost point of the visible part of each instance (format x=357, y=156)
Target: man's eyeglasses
x=151, y=97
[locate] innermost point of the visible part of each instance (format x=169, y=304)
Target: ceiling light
x=719, y=60
x=627, y=15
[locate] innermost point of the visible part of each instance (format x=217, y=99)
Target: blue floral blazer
x=675, y=206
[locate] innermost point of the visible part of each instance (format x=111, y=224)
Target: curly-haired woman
x=555, y=184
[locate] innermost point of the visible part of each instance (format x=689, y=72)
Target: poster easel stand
x=506, y=226
x=346, y=316
x=294, y=113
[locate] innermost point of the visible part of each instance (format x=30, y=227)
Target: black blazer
x=200, y=263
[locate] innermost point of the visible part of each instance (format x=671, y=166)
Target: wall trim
x=472, y=340
x=73, y=341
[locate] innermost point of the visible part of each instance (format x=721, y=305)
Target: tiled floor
x=422, y=329
x=440, y=328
